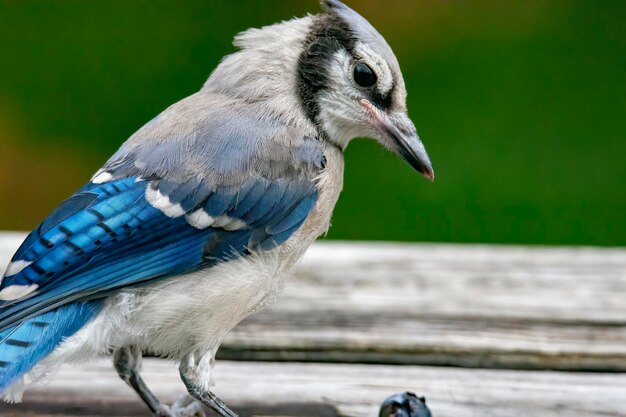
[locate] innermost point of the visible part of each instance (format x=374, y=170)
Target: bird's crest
x=362, y=29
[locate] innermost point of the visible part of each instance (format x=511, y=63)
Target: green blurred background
x=521, y=105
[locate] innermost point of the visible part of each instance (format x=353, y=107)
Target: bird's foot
x=183, y=407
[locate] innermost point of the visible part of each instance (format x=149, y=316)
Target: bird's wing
x=163, y=207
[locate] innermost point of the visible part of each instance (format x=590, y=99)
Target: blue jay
x=192, y=224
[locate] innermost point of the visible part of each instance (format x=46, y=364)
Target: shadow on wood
x=74, y=407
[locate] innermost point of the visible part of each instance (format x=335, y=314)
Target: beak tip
x=429, y=174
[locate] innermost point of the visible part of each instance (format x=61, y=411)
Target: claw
x=184, y=406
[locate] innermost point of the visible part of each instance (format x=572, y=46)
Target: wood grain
x=464, y=305
x=461, y=305
x=311, y=389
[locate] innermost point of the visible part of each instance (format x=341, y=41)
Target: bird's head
x=351, y=85
x=333, y=68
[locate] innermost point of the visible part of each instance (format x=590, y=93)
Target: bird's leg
x=203, y=395
x=127, y=362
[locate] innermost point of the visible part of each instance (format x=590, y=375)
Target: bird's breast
x=329, y=183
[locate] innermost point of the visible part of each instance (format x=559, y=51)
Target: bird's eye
x=364, y=75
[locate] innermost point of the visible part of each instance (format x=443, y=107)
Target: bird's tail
x=25, y=344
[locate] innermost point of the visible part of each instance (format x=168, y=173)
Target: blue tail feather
x=25, y=344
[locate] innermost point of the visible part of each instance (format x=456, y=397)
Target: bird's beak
x=399, y=133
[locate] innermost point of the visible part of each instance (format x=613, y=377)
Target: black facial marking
x=329, y=35
x=380, y=101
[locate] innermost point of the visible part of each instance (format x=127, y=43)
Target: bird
x=405, y=404
x=192, y=224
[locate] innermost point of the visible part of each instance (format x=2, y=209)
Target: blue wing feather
x=273, y=240
x=110, y=237
x=295, y=216
x=117, y=234
x=70, y=207
x=251, y=198
x=220, y=201
x=22, y=346
x=264, y=206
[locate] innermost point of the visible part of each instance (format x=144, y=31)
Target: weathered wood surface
x=463, y=305
x=308, y=389
x=467, y=305
x=480, y=306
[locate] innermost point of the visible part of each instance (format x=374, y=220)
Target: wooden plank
x=463, y=305
x=307, y=389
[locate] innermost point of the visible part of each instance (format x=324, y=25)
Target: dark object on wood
x=406, y=404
